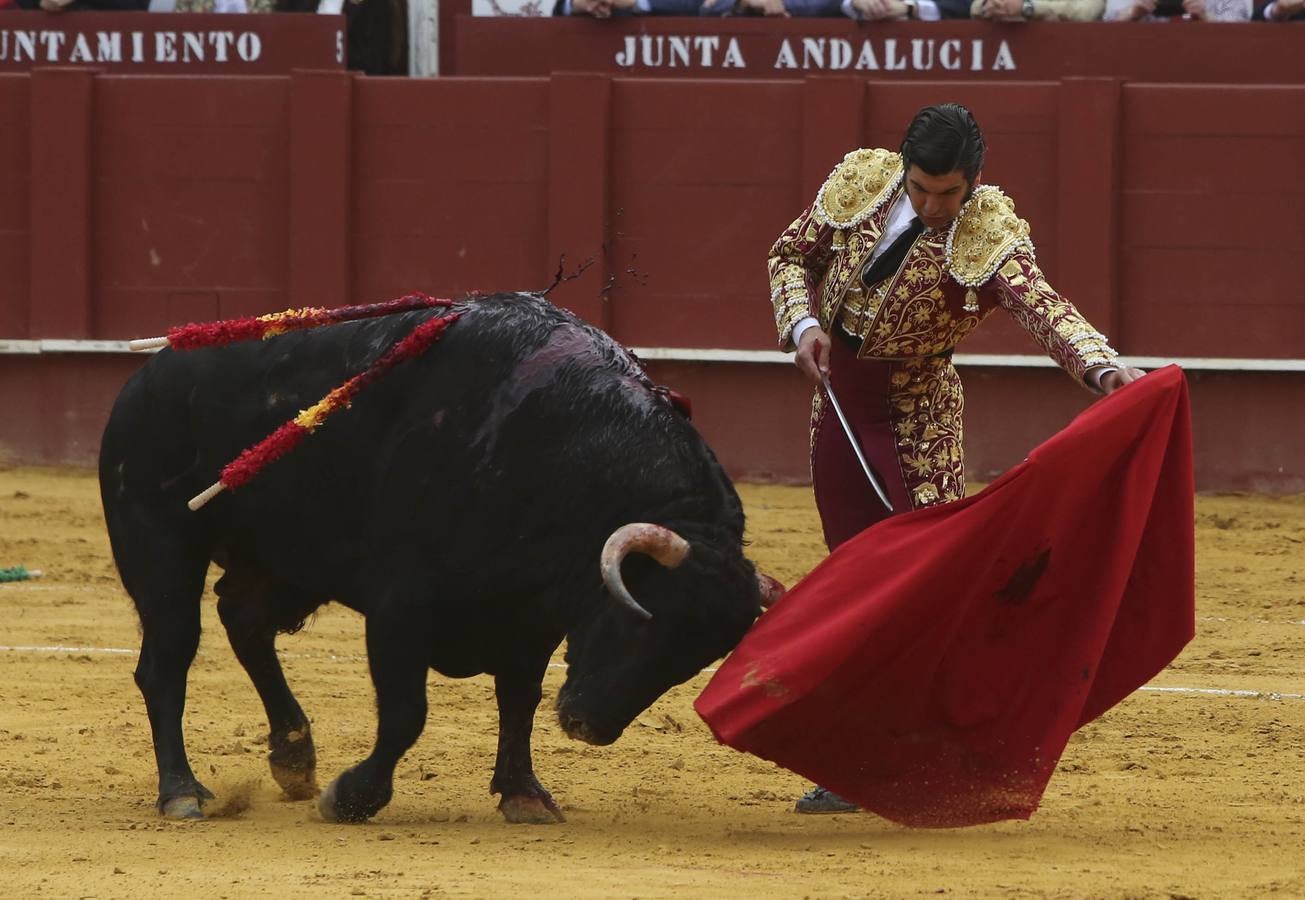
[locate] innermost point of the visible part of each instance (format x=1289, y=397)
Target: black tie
x=887, y=263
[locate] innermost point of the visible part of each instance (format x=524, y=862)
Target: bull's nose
x=580, y=730
x=570, y=724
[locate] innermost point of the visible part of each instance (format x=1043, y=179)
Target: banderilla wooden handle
x=206, y=495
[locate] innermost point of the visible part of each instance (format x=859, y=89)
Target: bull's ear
x=771, y=590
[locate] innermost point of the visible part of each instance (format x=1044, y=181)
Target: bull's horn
x=662, y=544
x=771, y=590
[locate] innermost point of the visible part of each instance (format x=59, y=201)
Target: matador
x=898, y=259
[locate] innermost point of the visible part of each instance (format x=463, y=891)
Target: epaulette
x=857, y=187
x=985, y=234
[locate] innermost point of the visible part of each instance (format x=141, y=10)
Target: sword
x=851, y=439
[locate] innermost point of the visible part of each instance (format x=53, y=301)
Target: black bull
x=461, y=505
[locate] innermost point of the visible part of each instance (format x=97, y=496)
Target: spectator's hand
x=813, y=353
x=1196, y=9
x=1002, y=9
x=764, y=7
x=1113, y=381
x=1285, y=9
x=1139, y=10
x=599, y=9
x=878, y=11
x=55, y=6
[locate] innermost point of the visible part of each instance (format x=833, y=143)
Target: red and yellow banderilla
x=248, y=328
x=280, y=442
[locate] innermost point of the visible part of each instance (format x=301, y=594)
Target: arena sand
x=1171, y=794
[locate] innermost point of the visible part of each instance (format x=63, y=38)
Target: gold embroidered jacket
x=949, y=282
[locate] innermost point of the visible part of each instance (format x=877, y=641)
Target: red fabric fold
x=933, y=667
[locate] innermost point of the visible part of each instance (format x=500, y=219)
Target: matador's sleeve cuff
x=788, y=312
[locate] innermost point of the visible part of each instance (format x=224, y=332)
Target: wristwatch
x=1026, y=10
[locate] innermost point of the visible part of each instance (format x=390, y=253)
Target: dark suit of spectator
x=602, y=9
x=785, y=8
x=87, y=5
x=1281, y=11
x=954, y=9
x=1196, y=10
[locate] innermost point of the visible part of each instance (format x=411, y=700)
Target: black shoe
x=821, y=800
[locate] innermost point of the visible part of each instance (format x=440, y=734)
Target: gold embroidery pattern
x=984, y=235
x=859, y=309
x=858, y=187
x=915, y=318
x=844, y=272
x=926, y=401
x=826, y=241
x=800, y=253
x=1054, y=323
x=817, y=413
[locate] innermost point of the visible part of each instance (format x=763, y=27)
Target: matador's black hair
x=942, y=139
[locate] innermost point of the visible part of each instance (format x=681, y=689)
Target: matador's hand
x=813, y=353
x=1113, y=381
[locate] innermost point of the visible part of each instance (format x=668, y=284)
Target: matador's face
x=937, y=199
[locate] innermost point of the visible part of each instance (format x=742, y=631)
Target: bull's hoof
x=527, y=810
x=347, y=799
x=293, y=761
x=296, y=783
x=181, y=808
x=326, y=804
x=327, y=807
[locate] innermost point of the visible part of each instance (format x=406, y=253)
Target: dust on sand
x=1169, y=794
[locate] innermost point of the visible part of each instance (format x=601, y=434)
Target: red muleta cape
x=933, y=667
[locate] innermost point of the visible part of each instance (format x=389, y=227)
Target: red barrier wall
x=15, y=166
x=128, y=204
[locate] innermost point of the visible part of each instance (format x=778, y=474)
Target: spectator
x=1040, y=10
x=55, y=6
x=1162, y=10
x=605, y=9
x=785, y=8
x=1281, y=11
x=212, y=6
x=897, y=10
